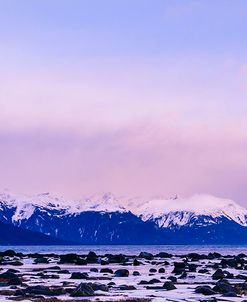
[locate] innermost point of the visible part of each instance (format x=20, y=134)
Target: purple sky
x=134, y=97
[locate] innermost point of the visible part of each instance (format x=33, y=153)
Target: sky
x=136, y=97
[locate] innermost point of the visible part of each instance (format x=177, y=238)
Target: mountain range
x=106, y=219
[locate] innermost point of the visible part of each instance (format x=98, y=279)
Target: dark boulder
x=146, y=255
x=152, y=270
x=106, y=270
x=168, y=285
x=205, y=290
x=218, y=274
x=99, y=286
x=121, y=273
x=136, y=262
x=45, y=290
x=83, y=290
x=223, y=287
x=163, y=255
x=41, y=260
x=78, y=275
x=127, y=287
x=91, y=257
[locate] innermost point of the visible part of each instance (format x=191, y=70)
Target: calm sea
x=130, y=249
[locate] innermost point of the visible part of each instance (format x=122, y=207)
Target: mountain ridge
x=107, y=219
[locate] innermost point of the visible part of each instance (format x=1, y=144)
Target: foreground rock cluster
x=141, y=278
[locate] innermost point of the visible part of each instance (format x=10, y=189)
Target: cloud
x=145, y=160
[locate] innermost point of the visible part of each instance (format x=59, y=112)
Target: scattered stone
x=121, y=273
x=83, y=290
x=205, y=290
x=127, y=287
x=145, y=255
x=168, y=285
x=218, y=274
x=78, y=275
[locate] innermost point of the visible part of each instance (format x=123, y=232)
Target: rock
x=69, y=258
x=205, y=290
x=106, y=270
x=14, y=263
x=230, y=294
x=242, y=277
x=78, y=275
x=82, y=290
x=20, y=292
x=15, y=281
x=153, y=270
x=7, y=292
x=136, y=262
x=192, y=267
x=241, y=289
x=179, y=268
x=45, y=290
x=173, y=279
x=64, y=271
x=98, y=286
x=92, y=257
x=145, y=255
x=111, y=283
x=214, y=255
x=168, y=285
x=12, y=270
x=218, y=274
x=127, y=287
x=195, y=256
x=9, y=253
x=9, y=278
x=143, y=282
x=203, y=271
x=81, y=261
x=116, y=258
x=228, y=275
x=41, y=260
x=163, y=255
x=155, y=287
x=153, y=281
x=223, y=287
x=183, y=275
x=121, y=273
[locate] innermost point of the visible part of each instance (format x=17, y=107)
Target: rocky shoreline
x=141, y=278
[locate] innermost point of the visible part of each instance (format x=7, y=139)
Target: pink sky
x=141, y=101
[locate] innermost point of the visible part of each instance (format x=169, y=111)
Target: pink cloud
x=140, y=160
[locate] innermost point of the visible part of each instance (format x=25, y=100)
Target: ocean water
x=130, y=249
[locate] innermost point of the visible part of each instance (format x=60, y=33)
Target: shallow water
x=130, y=249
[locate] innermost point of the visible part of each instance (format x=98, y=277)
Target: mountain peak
x=167, y=210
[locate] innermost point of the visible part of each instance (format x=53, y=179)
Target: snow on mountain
x=24, y=205
x=167, y=213
x=184, y=211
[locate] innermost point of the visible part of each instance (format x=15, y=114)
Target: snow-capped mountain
x=107, y=219
x=204, y=209
x=24, y=206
